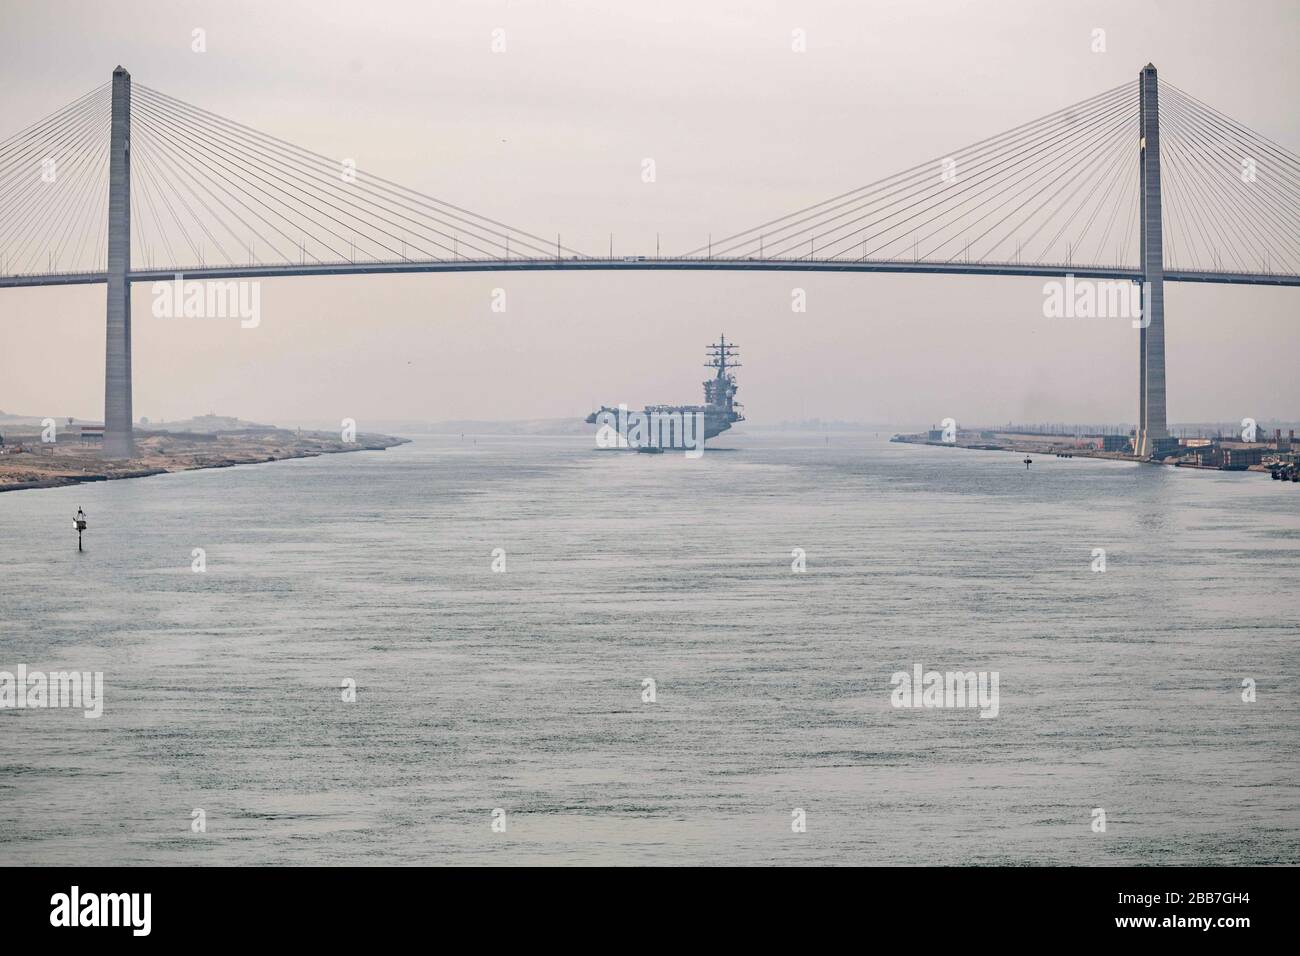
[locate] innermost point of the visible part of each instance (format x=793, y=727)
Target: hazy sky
x=550, y=135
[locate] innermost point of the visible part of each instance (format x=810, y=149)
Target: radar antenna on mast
x=720, y=355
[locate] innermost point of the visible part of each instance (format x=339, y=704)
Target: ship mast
x=719, y=354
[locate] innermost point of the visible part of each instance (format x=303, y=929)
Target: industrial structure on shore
x=1254, y=451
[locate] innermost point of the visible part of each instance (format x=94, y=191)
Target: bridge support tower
x=1152, y=424
x=119, y=440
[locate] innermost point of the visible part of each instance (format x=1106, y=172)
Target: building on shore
x=1227, y=457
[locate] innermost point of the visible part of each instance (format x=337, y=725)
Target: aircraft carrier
x=720, y=408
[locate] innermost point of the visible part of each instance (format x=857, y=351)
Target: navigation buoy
x=1028, y=461
x=80, y=523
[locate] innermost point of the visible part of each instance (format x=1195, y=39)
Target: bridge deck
x=646, y=264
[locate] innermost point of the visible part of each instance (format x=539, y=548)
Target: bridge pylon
x=119, y=440
x=1152, y=423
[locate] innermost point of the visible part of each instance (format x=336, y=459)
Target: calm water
x=522, y=690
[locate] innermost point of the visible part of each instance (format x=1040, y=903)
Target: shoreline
x=163, y=454
x=1028, y=448
x=1056, y=450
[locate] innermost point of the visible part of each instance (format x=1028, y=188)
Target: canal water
x=525, y=689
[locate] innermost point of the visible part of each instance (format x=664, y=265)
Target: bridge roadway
x=645, y=264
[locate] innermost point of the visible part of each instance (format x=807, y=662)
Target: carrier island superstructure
x=720, y=408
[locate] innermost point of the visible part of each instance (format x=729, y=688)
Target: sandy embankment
x=70, y=462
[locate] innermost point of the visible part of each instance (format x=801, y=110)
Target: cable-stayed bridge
x=1143, y=182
